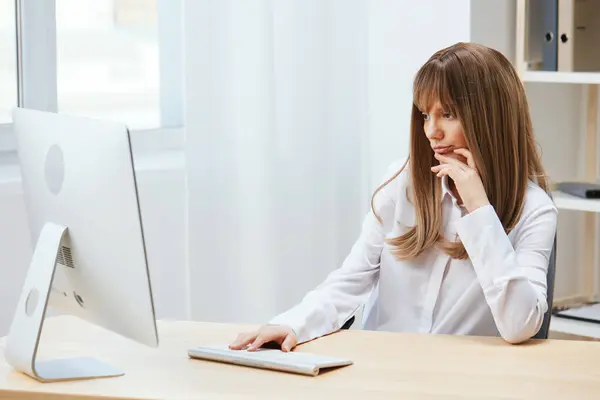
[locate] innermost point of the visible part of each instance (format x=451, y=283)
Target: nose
x=433, y=130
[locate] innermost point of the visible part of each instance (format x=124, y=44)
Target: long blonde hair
x=482, y=89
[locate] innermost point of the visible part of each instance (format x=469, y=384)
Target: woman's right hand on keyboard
x=283, y=335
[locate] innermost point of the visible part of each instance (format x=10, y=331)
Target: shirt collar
x=446, y=187
x=447, y=192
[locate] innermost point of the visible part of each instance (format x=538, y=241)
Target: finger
x=467, y=155
x=289, y=343
x=449, y=160
x=449, y=171
x=243, y=340
x=438, y=167
x=259, y=341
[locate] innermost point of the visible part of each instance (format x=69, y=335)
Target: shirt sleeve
x=513, y=278
x=326, y=308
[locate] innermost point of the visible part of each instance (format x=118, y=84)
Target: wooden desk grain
x=387, y=366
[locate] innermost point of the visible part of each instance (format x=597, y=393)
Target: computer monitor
x=89, y=258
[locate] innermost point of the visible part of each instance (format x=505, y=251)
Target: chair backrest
x=545, y=329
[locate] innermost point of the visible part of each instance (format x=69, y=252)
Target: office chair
x=545, y=328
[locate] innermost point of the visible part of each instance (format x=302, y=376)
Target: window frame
x=37, y=73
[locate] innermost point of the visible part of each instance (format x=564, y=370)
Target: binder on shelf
x=549, y=14
x=578, y=35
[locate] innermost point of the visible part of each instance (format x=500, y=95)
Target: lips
x=443, y=149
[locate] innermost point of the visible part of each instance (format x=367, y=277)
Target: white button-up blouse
x=500, y=290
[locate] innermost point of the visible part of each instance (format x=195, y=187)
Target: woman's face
x=443, y=130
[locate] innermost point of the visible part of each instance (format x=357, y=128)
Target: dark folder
x=549, y=15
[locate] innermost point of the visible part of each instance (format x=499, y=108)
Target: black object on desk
x=584, y=190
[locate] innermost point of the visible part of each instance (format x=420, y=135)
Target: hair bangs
x=431, y=86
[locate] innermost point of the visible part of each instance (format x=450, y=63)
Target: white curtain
x=276, y=119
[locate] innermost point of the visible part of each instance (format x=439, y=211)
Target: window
x=107, y=60
x=8, y=62
x=119, y=60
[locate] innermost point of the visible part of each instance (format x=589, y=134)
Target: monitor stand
x=26, y=329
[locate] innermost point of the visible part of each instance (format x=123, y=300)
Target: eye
x=449, y=116
x=425, y=116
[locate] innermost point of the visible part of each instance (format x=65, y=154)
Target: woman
x=459, y=236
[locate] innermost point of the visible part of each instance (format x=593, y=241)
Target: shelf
x=562, y=77
x=568, y=202
x=574, y=327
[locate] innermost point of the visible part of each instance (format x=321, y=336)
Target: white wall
x=402, y=36
x=162, y=197
x=163, y=202
x=14, y=255
x=276, y=114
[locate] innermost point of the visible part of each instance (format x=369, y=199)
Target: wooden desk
x=387, y=365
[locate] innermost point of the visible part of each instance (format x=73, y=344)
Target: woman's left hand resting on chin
x=465, y=177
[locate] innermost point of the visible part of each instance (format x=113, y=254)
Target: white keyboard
x=295, y=362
